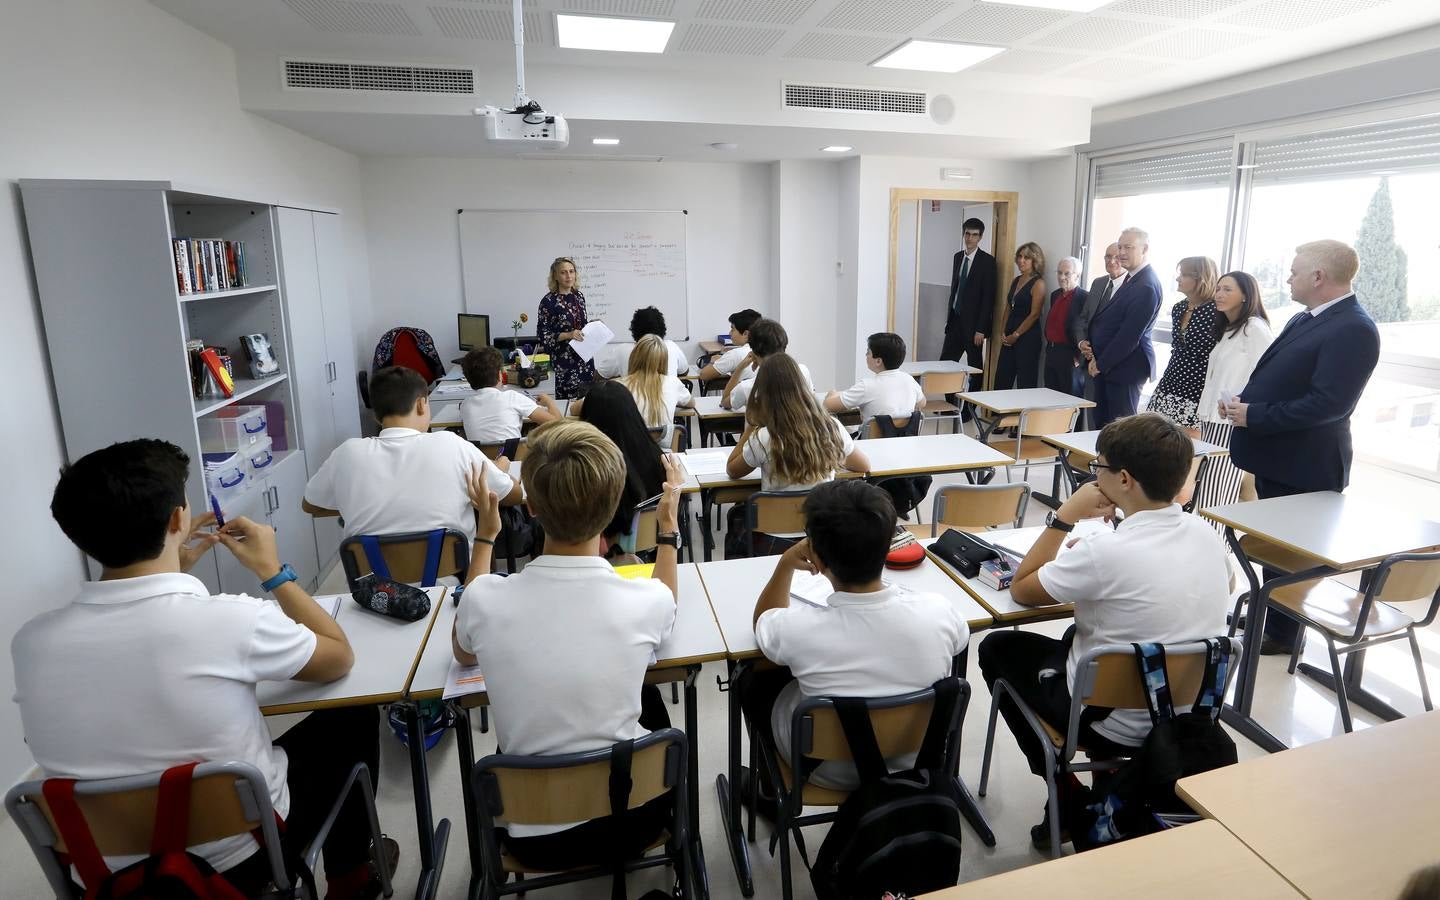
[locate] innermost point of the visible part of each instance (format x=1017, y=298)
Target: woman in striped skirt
x=1242, y=332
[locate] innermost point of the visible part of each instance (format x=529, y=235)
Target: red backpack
x=170, y=872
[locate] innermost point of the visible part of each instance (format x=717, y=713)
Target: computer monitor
x=474, y=331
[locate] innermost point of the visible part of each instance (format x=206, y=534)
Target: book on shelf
x=217, y=370
x=209, y=264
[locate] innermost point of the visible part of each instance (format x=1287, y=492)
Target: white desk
x=386, y=652
x=999, y=603
x=1017, y=400
x=690, y=485
x=918, y=367
x=1083, y=442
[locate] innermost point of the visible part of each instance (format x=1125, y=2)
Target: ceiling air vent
x=346, y=76
x=854, y=99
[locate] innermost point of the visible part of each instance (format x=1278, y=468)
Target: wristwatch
x=1053, y=521
x=668, y=539
x=274, y=581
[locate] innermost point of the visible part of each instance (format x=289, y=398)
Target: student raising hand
x=485, y=501
x=668, y=510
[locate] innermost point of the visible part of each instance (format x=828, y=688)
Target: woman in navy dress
x=562, y=316
x=1019, y=362
x=1192, y=337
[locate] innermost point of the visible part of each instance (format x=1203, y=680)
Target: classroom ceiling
x=1124, y=50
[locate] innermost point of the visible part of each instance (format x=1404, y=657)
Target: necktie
x=960, y=285
x=1109, y=292
x=1295, y=321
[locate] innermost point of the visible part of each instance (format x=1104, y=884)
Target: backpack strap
x=860, y=735
x=621, y=756
x=932, y=748
x=434, y=543
x=1151, y=659
x=371, y=545
x=172, y=810
x=70, y=822
x=1212, y=687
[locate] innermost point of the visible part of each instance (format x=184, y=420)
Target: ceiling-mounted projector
x=528, y=123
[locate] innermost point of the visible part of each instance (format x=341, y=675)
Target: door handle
x=275, y=493
x=334, y=373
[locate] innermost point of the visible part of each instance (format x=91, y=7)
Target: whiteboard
x=627, y=259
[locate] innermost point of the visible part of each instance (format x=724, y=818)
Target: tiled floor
x=1295, y=709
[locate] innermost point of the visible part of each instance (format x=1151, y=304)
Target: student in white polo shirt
x=614, y=360
x=495, y=415
x=767, y=337
x=564, y=644
x=889, y=392
x=145, y=669
x=726, y=363
x=406, y=478
x=870, y=641
x=1160, y=576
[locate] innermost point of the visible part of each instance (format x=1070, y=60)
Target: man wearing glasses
x=1160, y=575
x=971, y=304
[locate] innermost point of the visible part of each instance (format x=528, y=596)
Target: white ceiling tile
x=1291, y=15
x=890, y=17
x=490, y=25
x=772, y=12
x=1114, y=68
x=990, y=23
x=1172, y=9
x=645, y=9
x=355, y=17
x=733, y=40
x=1100, y=33
x=1027, y=62
x=844, y=47
x=1194, y=43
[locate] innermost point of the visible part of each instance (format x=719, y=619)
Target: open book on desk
x=815, y=590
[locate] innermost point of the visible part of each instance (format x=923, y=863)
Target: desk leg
x=692, y=732
x=983, y=428
x=465, y=749
x=1237, y=715
x=969, y=806
x=1051, y=499
x=433, y=838
x=727, y=789
x=707, y=534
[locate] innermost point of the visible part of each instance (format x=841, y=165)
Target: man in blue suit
x=1122, y=356
x=1292, y=421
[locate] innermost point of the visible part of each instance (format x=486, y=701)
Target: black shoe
x=767, y=807
x=1040, y=834
x=1271, y=646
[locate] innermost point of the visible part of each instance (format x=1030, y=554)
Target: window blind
x=1187, y=170
x=1382, y=148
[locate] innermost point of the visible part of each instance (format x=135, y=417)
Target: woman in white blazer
x=1242, y=331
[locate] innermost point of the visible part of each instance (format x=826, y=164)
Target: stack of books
x=204, y=264
x=996, y=575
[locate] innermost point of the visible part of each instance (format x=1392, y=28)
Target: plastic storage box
x=258, y=458
x=233, y=428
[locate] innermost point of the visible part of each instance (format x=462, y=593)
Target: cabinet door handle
x=334, y=372
x=275, y=494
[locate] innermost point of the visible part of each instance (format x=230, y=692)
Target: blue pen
x=219, y=517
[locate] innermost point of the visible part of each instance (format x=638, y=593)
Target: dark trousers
x=961, y=342
x=1034, y=665
x=1115, y=400
x=1061, y=374
x=322, y=750
x=588, y=843
x=1278, y=625
x=1019, y=366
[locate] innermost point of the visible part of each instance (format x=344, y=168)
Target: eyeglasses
x=1096, y=465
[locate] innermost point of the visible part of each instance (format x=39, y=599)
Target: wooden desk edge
x=700, y=573
x=1080, y=403
x=429, y=630
x=1032, y=614
x=662, y=665
x=305, y=706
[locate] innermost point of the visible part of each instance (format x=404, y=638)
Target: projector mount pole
x=522, y=100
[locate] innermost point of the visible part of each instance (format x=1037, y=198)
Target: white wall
x=940, y=237
x=413, y=235
x=111, y=89
x=1051, y=218
x=806, y=249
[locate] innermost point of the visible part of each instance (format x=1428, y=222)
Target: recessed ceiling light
x=605, y=142
x=836, y=148
x=1069, y=5
x=608, y=33
x=935, y=56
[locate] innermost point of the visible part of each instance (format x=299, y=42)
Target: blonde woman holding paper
x=561, y=323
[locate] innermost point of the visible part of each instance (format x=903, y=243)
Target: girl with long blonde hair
x=656, y=391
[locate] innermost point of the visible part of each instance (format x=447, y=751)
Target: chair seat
x=514, y=866
x=936, y=406
x=814, y=795
x=1274, y=556
x=1334, y=608
x=1031, y=448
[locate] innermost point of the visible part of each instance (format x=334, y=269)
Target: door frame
x=1006, y=206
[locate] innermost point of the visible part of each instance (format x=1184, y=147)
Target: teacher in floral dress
x=562, y=316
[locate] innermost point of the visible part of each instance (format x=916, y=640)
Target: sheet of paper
x=455, y=374
x=462, y=680
x=597, y=335
x=807, y=587
x=452, y=389
x=706, y=462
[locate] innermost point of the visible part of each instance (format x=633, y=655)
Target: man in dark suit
x=1122, y=358
x=972, y=302
x=1292, y=421
x=1062, y=330
x=1102, y=291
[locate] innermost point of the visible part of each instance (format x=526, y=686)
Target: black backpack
x=897, y=832
x=906, y=491
x=1139, y=798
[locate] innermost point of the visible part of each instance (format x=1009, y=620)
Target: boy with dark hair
x=614, y=360
x=730, y=360
x=145, y=669
x=1160, y=576
x=495, y=415
x=766, y=338
x=598, y=630
x=872, y=640
x=406, y=478
x=890, y=392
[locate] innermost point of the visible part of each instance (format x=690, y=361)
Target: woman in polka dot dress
x=1192, y=337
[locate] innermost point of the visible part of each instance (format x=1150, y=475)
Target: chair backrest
x=575, y=787
x=1049, y=421
x=513, y=449
x=899, y=722
x=1110, y=676
x=936, y=383
x=645, y=528
x=776, y=512
x=407, y=555
x=1408, y=576
x=980, y=505
x=887, y=426
x=226, y=799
